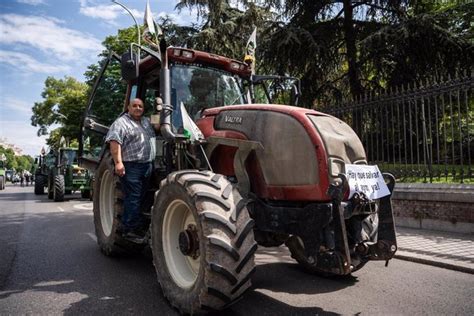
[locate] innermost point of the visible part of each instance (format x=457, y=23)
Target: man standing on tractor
x=132, y=144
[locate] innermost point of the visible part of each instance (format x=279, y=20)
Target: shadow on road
x=292, y=279
x=26, y=194
x=256, y=303
x=57, y=255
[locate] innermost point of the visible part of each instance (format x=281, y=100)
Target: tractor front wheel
x=39, y=184
x=58, y=190
x=2, y=182
x=202, y=241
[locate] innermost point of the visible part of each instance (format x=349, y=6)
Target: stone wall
x=434, y=206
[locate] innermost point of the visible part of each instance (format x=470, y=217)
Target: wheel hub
x=189, y=242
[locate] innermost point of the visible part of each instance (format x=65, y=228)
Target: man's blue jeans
x=134, y=186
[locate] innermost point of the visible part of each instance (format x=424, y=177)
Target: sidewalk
x=447, y=250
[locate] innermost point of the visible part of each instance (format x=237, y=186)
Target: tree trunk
x=351, y=50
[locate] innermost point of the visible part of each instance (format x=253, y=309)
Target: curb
x=439, y=264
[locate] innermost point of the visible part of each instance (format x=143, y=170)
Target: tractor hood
x=303, y=150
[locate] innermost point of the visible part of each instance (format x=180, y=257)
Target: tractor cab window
x=150, y=90
x=68, y=157
x=49, y=159
x=148, y=98
x=108, y=101
x=105, y=105
x=276, y=90
x=260, y=94
x=199, y=88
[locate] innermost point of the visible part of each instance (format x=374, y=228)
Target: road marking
x=53, y=283
x=84, y=206
x=60, y=208
x=92, y=236
x=106, y=298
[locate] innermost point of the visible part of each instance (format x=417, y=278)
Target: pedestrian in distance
x=22, y=178
x=131, y=139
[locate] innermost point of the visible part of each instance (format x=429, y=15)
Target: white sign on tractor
x=367, y=181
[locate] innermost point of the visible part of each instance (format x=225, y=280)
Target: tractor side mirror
x=129, y=66
x=294, y=94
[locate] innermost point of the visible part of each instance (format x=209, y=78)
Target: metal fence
x=418, y=131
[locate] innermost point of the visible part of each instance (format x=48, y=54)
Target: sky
x=58, y=38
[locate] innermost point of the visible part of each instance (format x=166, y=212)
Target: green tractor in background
x=3, y=178
x=42, y=164
x=60, y=173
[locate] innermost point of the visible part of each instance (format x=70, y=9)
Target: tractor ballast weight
x=239, y=176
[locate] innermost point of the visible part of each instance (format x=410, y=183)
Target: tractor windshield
x=200, y=88
x=69, y=156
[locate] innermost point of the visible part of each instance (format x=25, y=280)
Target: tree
x=18, y=163
x=64, y=103
x=343, y=48
x=225, y=29
x=430, y=38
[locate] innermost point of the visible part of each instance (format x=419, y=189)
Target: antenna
x=136, y=23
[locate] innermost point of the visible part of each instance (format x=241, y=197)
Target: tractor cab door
x=105, y=104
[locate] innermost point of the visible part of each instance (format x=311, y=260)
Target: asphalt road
x=50, y=264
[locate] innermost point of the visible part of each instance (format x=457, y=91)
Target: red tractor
x=230, y=175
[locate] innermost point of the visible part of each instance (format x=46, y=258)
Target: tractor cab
x=190, y=82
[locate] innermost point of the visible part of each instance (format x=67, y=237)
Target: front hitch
x=385, y=246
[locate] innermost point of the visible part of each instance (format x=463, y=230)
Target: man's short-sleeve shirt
x=137, y=140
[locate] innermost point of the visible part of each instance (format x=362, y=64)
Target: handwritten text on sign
x=366, y=179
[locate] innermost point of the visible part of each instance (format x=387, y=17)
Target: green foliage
x=19, y=163
x=64, y=103
x=225, y=29
x=121, y=42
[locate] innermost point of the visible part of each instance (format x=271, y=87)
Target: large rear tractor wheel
x=58, y=190
x=2, y=182
x=108, y=209
x=202, y=241
x=39, y=184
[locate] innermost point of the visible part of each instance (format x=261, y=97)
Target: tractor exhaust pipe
x=165, y=87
